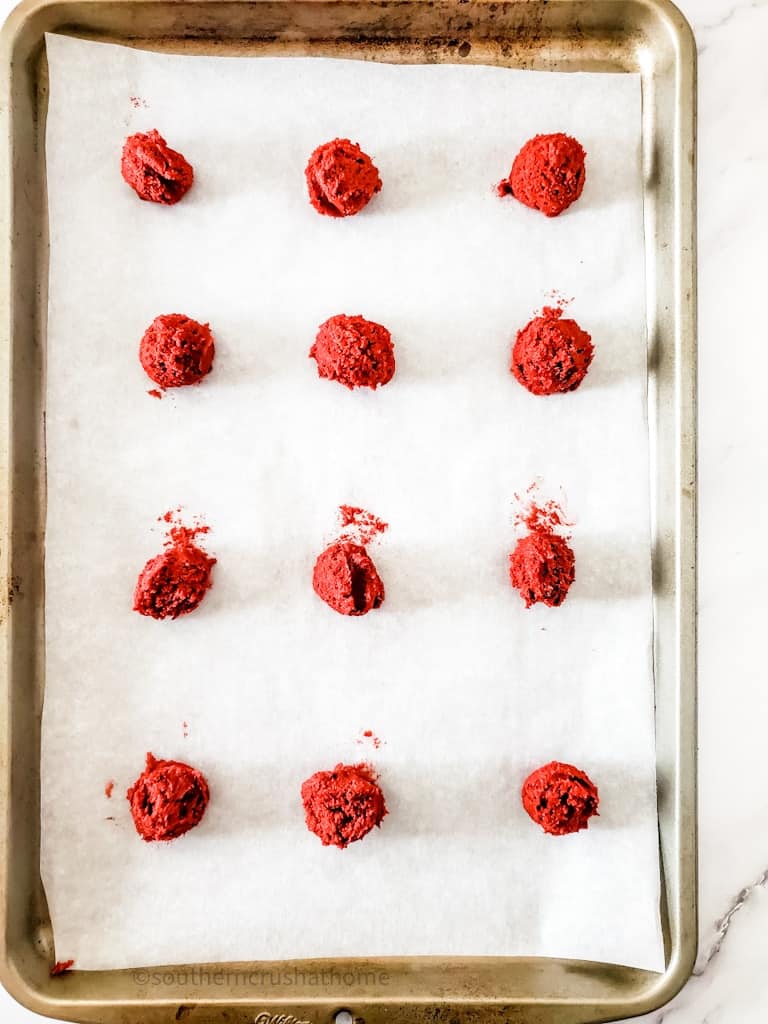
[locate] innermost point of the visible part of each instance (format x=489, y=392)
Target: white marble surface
x=730, y=983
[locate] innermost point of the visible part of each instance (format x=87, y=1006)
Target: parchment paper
x=468, y=690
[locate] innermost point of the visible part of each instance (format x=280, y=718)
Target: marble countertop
x=730, y=982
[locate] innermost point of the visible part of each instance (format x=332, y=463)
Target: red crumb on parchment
x=559, y=302
x=539, y=515
x=62, y=967
x=368, y=736
x=179, y=534
x=185, y=729
x=137, y=101
x=155, y=393
x=109, y=789
x=359, y=526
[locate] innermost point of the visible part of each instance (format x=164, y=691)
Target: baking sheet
x=263, y=684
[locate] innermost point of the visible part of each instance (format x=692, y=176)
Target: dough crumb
x=61, y=967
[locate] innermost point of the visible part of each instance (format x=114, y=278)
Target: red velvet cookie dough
x=168, y=799
x=343, y=805
x=542, y=568
x=176, y=350
x=341, y=178
x=560, y=798
x=354, y=351
x=61, y=967
x=551, y=354
x=175, y=582
x=548, y=174
x=346, y=579
x=542, y=565
x=154, y=171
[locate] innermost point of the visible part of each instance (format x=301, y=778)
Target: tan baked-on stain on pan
x=10, y=589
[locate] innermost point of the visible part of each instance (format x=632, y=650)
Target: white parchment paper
x=264, y=684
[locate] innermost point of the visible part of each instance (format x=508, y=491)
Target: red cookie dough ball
x=560, y=798
x=176, y=350
x=548, y=174
x=154, y=171
x=342, y=806
x=551, y=354
x=174, y=582
x=167, y=800
x=357, y=353
x=542, y=568
x=341, y=178
x=346, y=579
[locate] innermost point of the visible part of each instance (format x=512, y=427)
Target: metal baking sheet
x=605, y=35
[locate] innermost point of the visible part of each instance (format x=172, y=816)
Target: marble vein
x=728, y=16
x=723, y=925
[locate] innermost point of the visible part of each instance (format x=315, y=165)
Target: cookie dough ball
x=174, y=582
x=548, y=174
x=154, y=171
x=560, y=798
x=168, y=799
x=542, y=568
x=176, y=350
x=357, y=353
x=341, y=178
x=342, y=806
x=346, y=579
x=551, y=354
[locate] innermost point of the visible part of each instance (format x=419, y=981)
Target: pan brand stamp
x=277, y=1018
